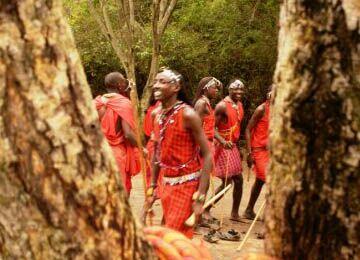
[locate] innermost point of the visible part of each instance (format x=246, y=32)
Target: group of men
x=186, y=143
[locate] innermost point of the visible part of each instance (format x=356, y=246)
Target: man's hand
x=228, y=144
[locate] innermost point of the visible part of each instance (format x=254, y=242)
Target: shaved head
x=114, y=79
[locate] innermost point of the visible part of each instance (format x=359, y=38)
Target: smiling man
x=228, y=116
x=179, y=141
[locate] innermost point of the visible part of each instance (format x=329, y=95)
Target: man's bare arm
x=128, y=133
x=193, y=123
x=201, y=109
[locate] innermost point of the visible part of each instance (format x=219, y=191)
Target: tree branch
x=165, y=19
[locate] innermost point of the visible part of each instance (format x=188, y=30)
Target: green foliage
x=221, y=38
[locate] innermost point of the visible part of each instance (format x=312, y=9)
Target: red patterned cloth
x=227, y=162
x=177, y=205
x=177, y=155
x=261, y=160
x=230, y=130
x=110, y=107
x=176, y=147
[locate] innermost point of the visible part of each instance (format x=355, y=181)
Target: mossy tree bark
x=60, y=196
x=313, y=203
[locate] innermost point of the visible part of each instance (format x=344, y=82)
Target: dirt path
x=222, y=249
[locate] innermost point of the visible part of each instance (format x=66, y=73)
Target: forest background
x=221, y=38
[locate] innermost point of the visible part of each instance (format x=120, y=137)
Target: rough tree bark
x=313, y=203
x=60, y=196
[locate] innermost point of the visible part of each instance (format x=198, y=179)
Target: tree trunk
x=154, y=68
x=313, y=203
x=60, y=196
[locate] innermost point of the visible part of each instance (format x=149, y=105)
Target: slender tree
x=122, y=34
x=60, y=196
x=161, y=13
x=313, y=203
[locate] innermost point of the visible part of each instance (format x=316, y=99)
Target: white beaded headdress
x=236, y=84
x=212, y=82
x=171, y=75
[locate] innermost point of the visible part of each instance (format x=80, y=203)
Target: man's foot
x=235, y=217
x=249, y=214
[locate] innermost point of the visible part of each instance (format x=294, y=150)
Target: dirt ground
x=222, y=249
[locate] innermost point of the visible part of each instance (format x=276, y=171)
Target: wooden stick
x=190, y=222
x=251, y=227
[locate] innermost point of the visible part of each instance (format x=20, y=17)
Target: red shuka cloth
x=148, y=120
x=178, y=147
x=230, y=130
x=209, y=122
x=228, y=161
x=259, y=139
x=127, y=156
x=150, y=146
x=260, y=133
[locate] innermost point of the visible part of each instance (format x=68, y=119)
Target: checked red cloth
x=227, y=162
x=177, y=151
x=177, y=154
x=177, y=205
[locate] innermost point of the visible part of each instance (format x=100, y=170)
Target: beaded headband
x=236, y=84
x=212, y=82
x=171, y=75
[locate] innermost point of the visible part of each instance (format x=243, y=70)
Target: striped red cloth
x=177, y=205
x=227, y=162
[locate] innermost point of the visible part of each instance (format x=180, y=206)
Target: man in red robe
x=149, y=135
x=207, y=90
x=116, y=116
x=179, y=141
x=228, y=116
x=257, y=133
